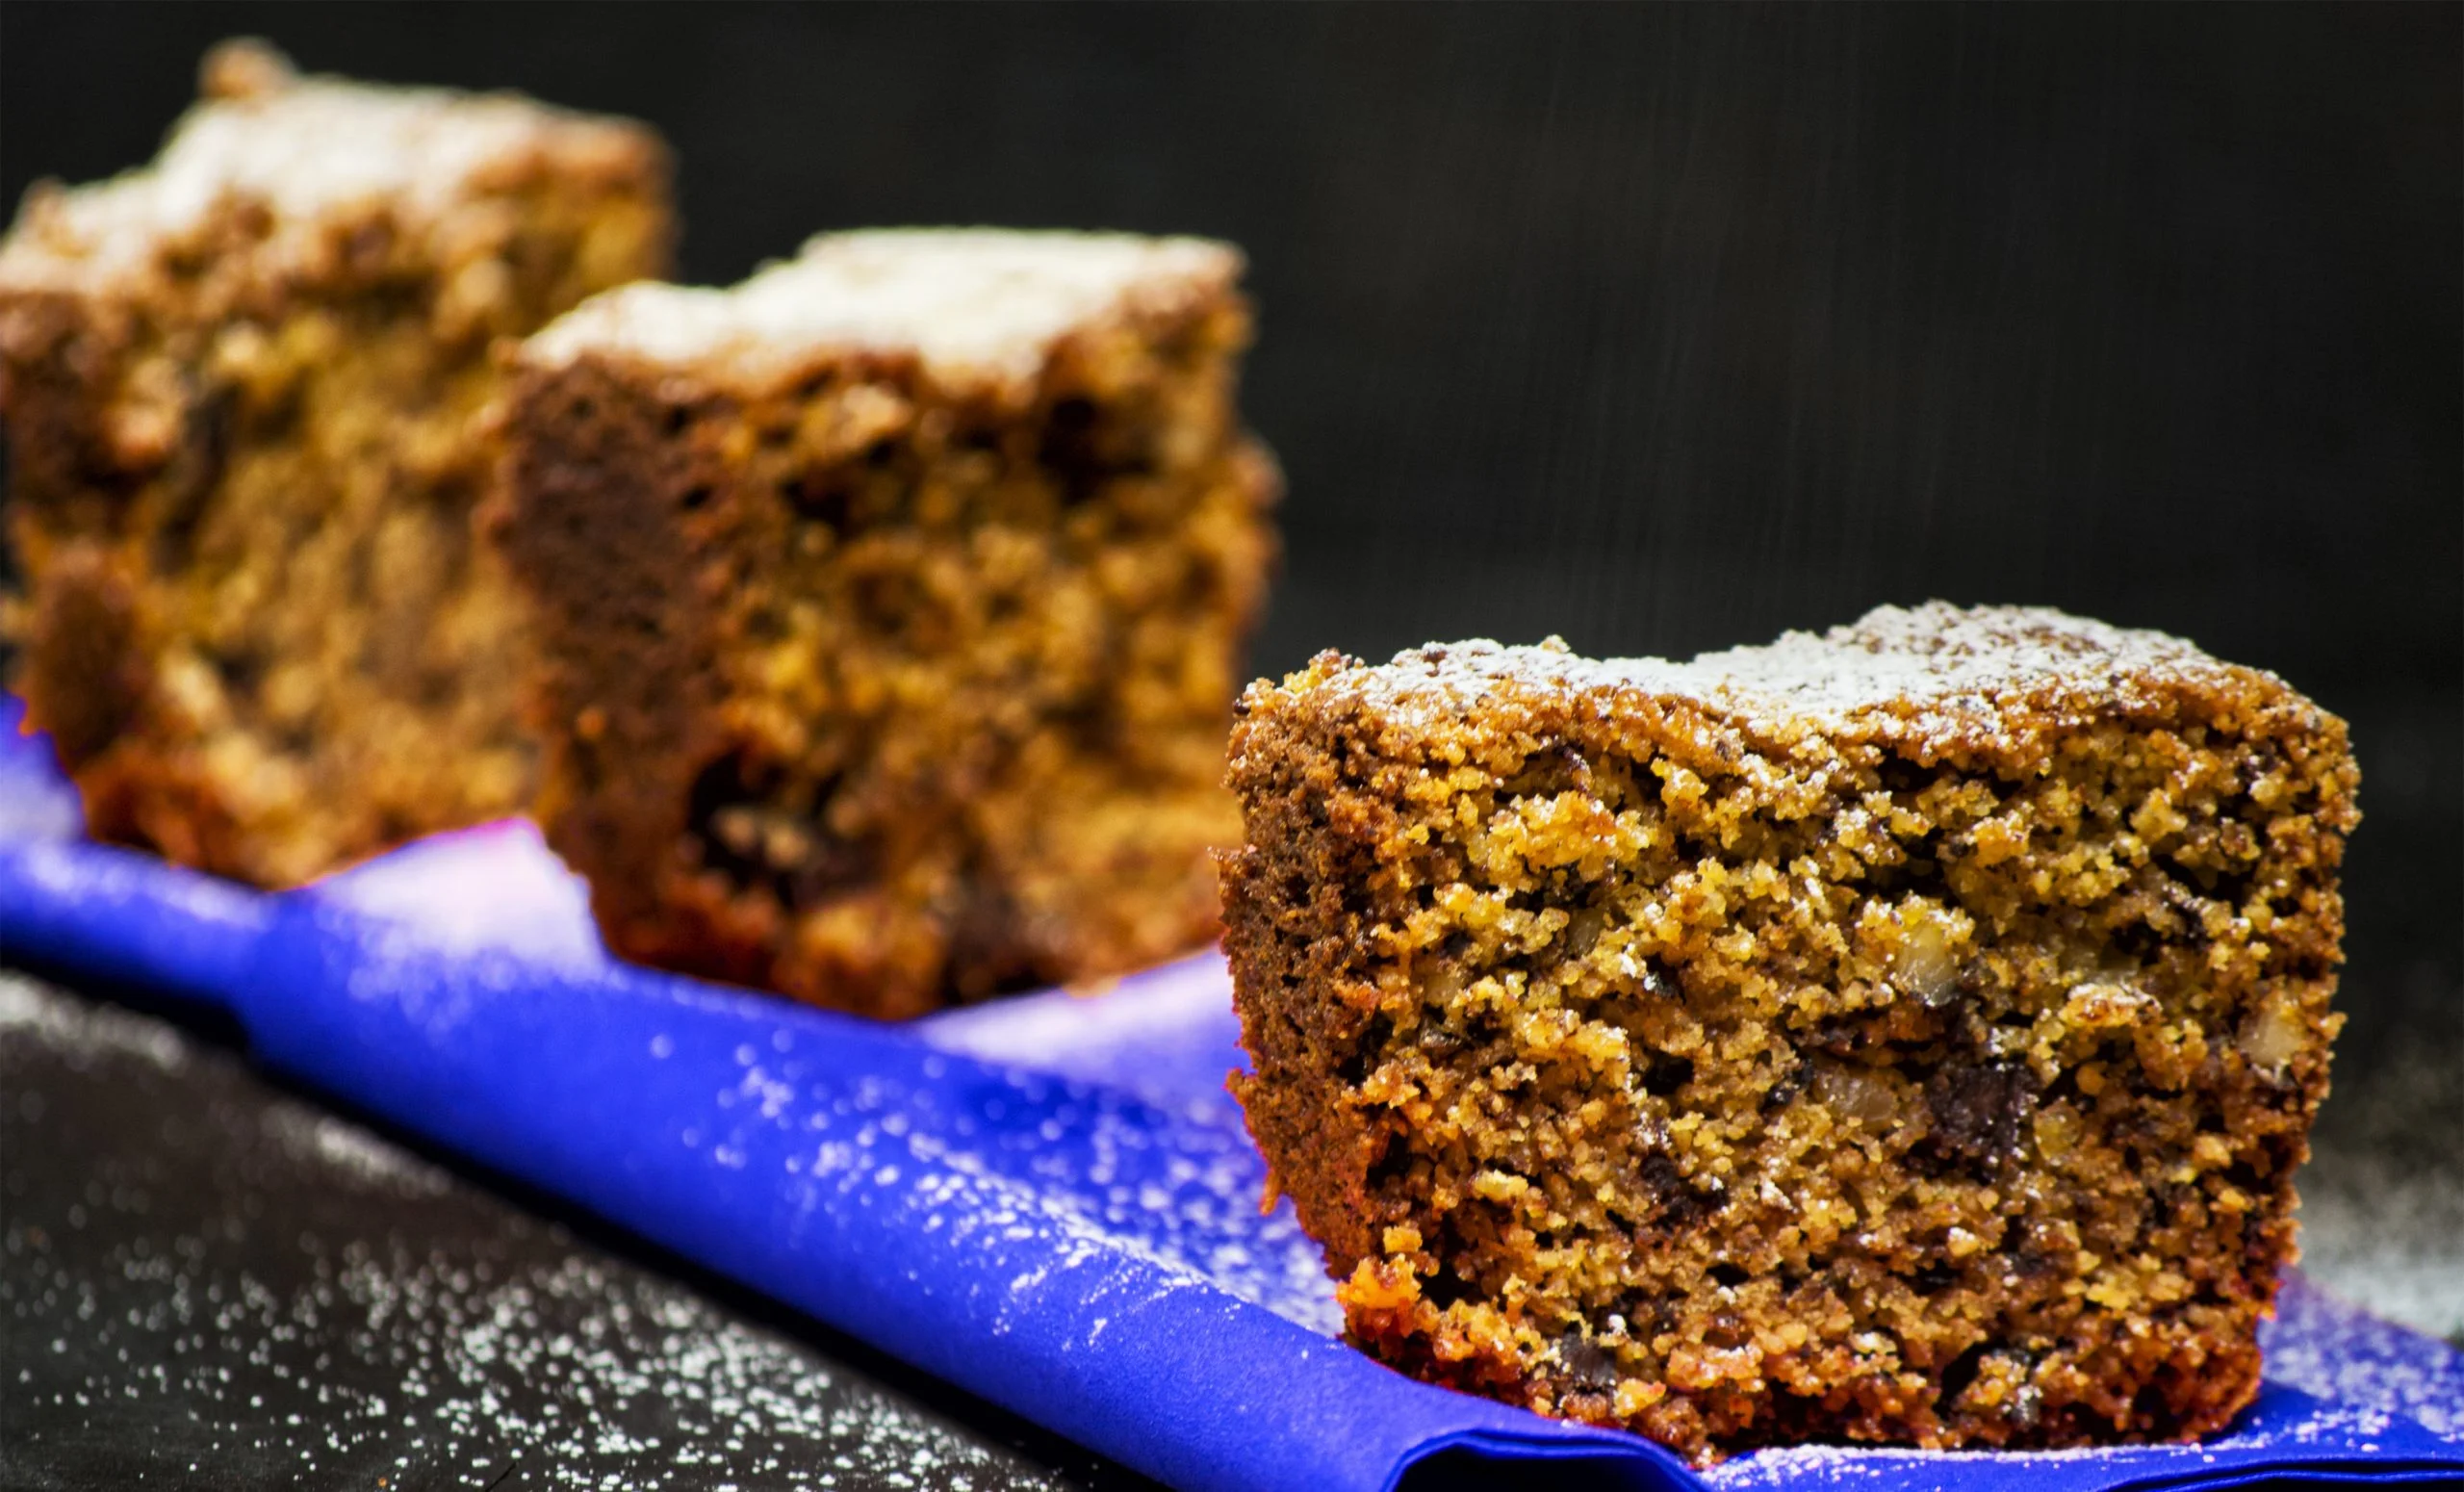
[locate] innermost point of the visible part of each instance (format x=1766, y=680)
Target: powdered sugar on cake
x=1926, y=670
x=975, y=304
x=305, y=148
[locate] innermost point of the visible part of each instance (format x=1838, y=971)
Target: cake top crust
x=307, y=149
x=977, y=306
x=1935, y=674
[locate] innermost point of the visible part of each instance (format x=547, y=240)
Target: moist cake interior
x=894, y=602
x=1799, y=1046
x=246, y=437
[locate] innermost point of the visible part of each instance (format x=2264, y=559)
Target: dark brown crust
x=53, y=356
x=80, y=660
x=886, y=694
x=1288, y=933
x=2148, y=1162
x=597, y=520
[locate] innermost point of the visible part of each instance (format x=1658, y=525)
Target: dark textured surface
x=207, y=1281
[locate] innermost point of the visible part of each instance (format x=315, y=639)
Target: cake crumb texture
x=889, y=644
x=245, y=391
x=1906, y=1034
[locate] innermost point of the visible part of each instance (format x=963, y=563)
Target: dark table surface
x=210, y=1281
x=213, y=1280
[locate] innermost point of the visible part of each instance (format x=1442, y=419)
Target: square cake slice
x=892, y=605
x=241, y=388
x=1904, y=1034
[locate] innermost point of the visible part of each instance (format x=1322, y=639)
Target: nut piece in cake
x=1906, y=1034
x=241, y=387
x=891, y=606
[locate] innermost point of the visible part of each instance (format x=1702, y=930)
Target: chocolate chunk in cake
x=892, y=605
x=1906, y=1034
x=241, y=387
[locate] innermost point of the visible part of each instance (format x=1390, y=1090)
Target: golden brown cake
x=891, y=606
x=241, y=387
x=1906, y=1034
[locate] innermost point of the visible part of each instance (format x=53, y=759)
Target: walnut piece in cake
x=1906, y=1034
x=242, y=388
x=891, y=606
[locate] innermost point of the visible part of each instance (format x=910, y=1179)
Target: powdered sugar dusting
x=1167, y=1035
x=302, y=146
x=76, y=875
x=35, y=803
x=1927, y=670
x=266, y=1295
x=2323, y=1347
x=324, y=1141
x=976, y=305
x=80, y=1034
x=1078, y=1192
x=497, y=886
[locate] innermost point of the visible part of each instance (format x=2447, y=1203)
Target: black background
x=1664, y=328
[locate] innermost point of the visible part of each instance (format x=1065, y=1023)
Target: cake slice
x=891, y=606
x=241, y=387
x=1904, y=1034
